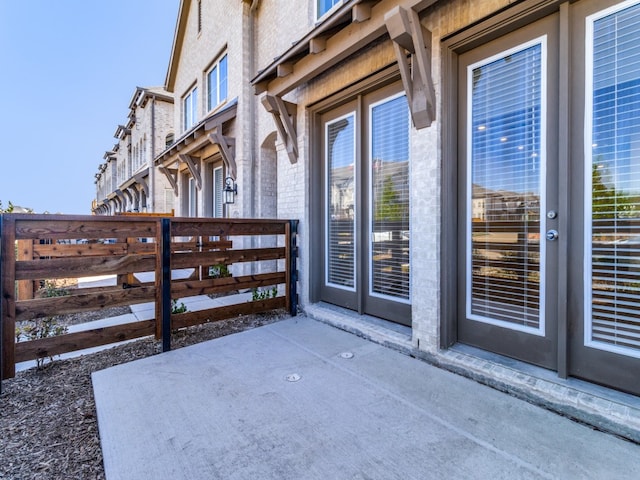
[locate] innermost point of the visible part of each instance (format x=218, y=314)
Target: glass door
x=366, y=205
x=605, y=276
x=508, y=195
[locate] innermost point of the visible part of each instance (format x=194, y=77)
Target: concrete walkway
x=140, y=311
x=302, y=400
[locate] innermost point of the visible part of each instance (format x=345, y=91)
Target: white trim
x=316, y=14
x=541, y=330
x=212, y=105
x=352, y=115
x=370, y=195
x=588, y=184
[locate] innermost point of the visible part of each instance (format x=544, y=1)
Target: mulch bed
x=48, y=423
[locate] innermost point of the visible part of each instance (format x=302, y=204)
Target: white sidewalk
x=141, y=311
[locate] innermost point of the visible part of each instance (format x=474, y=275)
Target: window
x=323, y=6
x=218, y=187
x=217, y=81
x=504, y=178
x=612, y=182
x=365, y=204
x=341, y=223
x=168, y=140
x=193, y=198
x=169, y=197
x=190, y=109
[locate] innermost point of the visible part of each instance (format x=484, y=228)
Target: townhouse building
x=467, y=170
x=466, y=175
x=127, y=181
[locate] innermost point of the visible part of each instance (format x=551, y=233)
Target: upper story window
x=190, y=109
x=217, y=81
x=323, y=6
x=168, y=140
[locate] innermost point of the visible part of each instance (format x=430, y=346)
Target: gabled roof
x=176, y=48
x=142, y=94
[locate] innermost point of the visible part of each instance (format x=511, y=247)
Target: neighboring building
x=466, y=170
x=127, y=181
x=209, y=76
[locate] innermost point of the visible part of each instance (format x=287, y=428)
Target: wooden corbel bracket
x=172, y=176
x=408, y=35
x=193, y=164
x=142, y=181
x=284, y=116
x=227, y=150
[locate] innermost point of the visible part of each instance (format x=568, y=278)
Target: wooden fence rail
x=221, y=256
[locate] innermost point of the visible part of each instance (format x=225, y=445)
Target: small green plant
x=175, y=308
x=40, y=328
x=51, y=290
x=257, y=294
x=219, y=271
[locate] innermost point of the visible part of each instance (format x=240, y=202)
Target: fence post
x=1, y=305
x=7, y=296
x=292, y=248
x=165, y=283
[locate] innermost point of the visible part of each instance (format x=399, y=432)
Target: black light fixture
x=230, y=190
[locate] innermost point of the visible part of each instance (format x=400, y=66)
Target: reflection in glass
x=389, y=227
x=505, y=173
x=340, y=240
x=612, y=299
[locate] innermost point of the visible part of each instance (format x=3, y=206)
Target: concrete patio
x=299, y=399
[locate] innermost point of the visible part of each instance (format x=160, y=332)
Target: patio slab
x=303, y=400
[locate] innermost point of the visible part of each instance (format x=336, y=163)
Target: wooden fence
x=221, y=255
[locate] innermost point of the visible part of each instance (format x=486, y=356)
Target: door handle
x=552, y=235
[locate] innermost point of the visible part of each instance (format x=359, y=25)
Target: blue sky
x=69, y=69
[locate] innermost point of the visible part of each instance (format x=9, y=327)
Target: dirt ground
x=48, y=424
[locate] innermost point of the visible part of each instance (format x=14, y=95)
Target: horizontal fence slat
x=91, y=249
x=191, y=288
x=49, y=227
x=70, y=342
x=193, y=245
x=84, y=302
x=84, y=266
x=226, y=228
x=193, y=259
x=190, y=319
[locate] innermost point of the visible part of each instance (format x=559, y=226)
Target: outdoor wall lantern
x=230, y=190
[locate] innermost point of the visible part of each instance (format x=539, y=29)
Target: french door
x=511, y=217
x=366, y=233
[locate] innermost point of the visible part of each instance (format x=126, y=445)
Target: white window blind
x=504, y=173
x=218, y=186
x=340, y=165
x=190, y=109
x=612, y=268
x=389, y=232
x=169, y=200
x=193, y=198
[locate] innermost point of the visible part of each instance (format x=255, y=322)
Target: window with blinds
x=505, y=170
x=340, y=232
x=193, y=198
x=169, y=197
x=389, y=232
x=218, y=186
x=612, y=226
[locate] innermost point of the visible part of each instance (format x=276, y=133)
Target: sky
x=69, y=69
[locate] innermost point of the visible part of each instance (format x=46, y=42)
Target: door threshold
x=378, y=330
x=603, y=408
